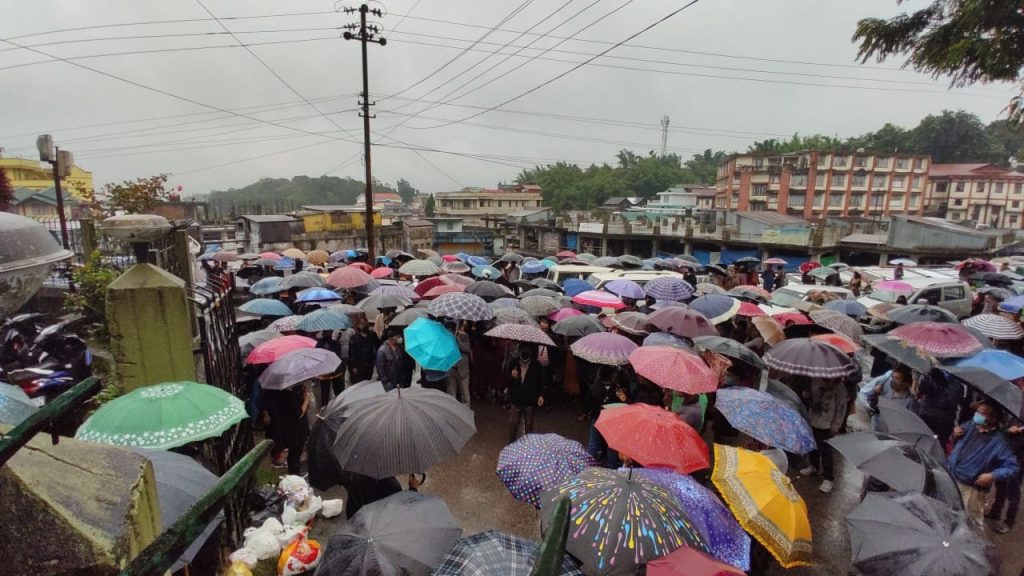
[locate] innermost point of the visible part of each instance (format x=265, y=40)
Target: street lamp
x=60, y=161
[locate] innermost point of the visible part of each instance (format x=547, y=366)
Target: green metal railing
x=20, y=435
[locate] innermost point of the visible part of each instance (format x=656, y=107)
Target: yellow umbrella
x=294, y=253
x=765, y=503
x=317, y=257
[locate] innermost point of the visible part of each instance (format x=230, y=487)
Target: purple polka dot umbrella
x=604, y=348
x=538, y=462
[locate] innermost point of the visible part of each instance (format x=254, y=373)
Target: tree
x=6, y=191
x=704, y=167
x=138, y=197
x=954, y=137
x=429, y=208
x=970, y=41
x=405, y=190
x=1007, y=140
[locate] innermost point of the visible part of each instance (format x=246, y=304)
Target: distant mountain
x=275, y=195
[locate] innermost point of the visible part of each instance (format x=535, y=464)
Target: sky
x=221, y=93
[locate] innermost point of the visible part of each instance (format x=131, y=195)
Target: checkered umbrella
x=805, y=357
x=520, y=333
x=838, y=322
x=419, y=268
x=537, y=462
x=494, y=553
x=513, y=316
x=603, y=348
x=995, y=326
x=538, y=305
x=669, y=288
x=461, y=306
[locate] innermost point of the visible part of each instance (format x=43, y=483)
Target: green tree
x=90, y=296
x=1007, y=140
x=888, y=138
x=970, y=41
x=704, y=166
x=954, y=137
x=429, y=207
x=138, y=197
x=405, y=190
x=6, y=191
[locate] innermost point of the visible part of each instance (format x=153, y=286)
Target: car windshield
x=786, y=298
x=886, y=295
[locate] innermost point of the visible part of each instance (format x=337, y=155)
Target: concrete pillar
x=654, y=247
x=604, y=246
x=149, y=322
x=883, y=259
x=687, y=248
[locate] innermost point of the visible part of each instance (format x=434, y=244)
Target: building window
x=916, y=182
x=960, y=186
x=839, y=161
x=999, y=188
x=819, y=181
x=856, y=200
x=823, y=161
x=1015, y=204
x=1017, y=188
x=797, y=200
x=819, y=200
x=981, y=187
x=882, y=163
x=798, y=181
x=1013, y=220
x=958, y=202
x=839, y=180
x=919, y=163
x=835, y=201
x=758, y=189
x=902, y=163
x=879, y=182
x=899, y=182
x=860, y=180
x=773, y=178
x=914, y=199
x=860, y=162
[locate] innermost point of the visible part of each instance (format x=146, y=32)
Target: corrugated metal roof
x=415, y=223
x=979, y=169
x=267, y=217
x=861, y=238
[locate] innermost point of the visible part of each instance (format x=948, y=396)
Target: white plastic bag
x=295, y=490
x=246, y=556
x=332, y=508
x=290, y=533
x=272, y=525
x=263, y=542
x=299, y=516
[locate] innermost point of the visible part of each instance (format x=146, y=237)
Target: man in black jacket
x=525, y=391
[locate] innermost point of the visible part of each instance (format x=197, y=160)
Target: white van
x=561, y=272
x=641, y=277
x=953, y=295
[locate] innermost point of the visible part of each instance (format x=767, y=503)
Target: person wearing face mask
x=390, y=362
x=525, y=391
x=981, y=456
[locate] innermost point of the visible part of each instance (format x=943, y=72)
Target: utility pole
x=60, y=162
x=664, y=135
x=367, y=33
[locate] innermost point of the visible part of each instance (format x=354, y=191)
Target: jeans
x=1007, y=492
x=517, y=414
x=821, y=457
x=598, y=448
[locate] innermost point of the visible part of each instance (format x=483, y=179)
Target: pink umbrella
x=598, y=299
x=683, y=322
x=362, y=266
x=750, y=310
x=977, y=264
x=273, y=349
x=271, y=255
x=674, y=368
x=604, y=348
x=566, y=254
x=456, y=279
x=791, y=318
x=896, y=286
x=382, y=272
x=939, y=339
x=563, y=313
x=443, y=289
x=349, y=277
x=427, y=284
x=450, y=258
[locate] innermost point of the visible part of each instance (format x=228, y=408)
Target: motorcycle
x=17, y=335
x=56, y=361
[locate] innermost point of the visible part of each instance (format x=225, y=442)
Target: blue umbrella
x=669, y=288
x=1006, y=365
x=264, y=286
x=548, y=264
x=534, y=267
x=478, y=261
x=537, y=462
x=285, y=264
x=324, y=319
x=625, y=289
x=431, y=345
x=486, y=272
x=462, y=256
x=765, y=418
x=1012, y=305
x=317, y=294
x=266, y=307
x=717, y=307
x=205, y=257
x=574, y=286
x=15, y=405
x=849, y=307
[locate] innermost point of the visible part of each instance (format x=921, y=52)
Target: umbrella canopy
x=666, y=339
x=270, y=255
x=823, y=273
x=995, y=326
x=704, y=288
x=1006, y=393
x=486, y=272
x=455, y=268
x=461, y=306
x=263, y=262
x=731, y=348
x=223, y=256
x=348, y=277
x=884, y=457
x=513, y=316
x=456, y=279
x=750, y=310
x=549, y=284
x=751, y=293
x=894, y=286
x=534, y=267
x=438, y=291
x=915, y=313
x=805, y=357
x=910, y=533
x=790, y=318
x=478, y=261
x=598, y=299
x=407, y=533
x=634, y=323
x=625, y=289
x=286, y=323
x=839, y=341
x=510, y=257
x=15, y=405
x=851, y=308
x=269, y=285
x=431, y=345
x=298, y=366
x=895, y=419
x=901, y=352
x=765, y=503
x=494, y=553
x=1012, y=305
x=317, y=257
x=372, y=305
x=683, y=322
x=293, y=253
x=537, y=462
x=266, y=307
x=578, y=326
x=403, y=431
x=991, y=278
x=397, y=290
x=653, y=437
x=419, y=268
x=324, y=319
x=403, y=255
x=317, y=294
x=939, y=339
x=163, y=416
x=563, y=313
x=717, y=308
x=1006, y=365
x=566, y=254
x=689, y=562
x=247, y=342
x=766, y=419
x=361, y=266
x=488, y=290
x=903, y=261
x=769, y=329
x=271, y=350
x=839, y=265
x=997, y=293
x=603, y=348
x=669, y=288
x=776, y=262
x=977, y=264
x=838, y=322
x=382, y=272
x=674, y=369
x=609, y=508
x=303, y=280
x=537, y=306
x=520, y=333
x=285, y=264
x=574, y=286
x=408, y=316
x=543, y=292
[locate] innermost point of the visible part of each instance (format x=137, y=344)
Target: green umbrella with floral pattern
x=163, y=416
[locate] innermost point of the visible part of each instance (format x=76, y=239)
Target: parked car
x=953, y=295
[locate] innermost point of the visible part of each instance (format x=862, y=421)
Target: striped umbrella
x=419, y=268
x=324, y=319
x=264, y=286
x=520, y=333
x=266, y=307
x=604, y=348
x=995, y=326
x=598, y=299
x=805, y=357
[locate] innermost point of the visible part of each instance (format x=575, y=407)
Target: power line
x=169, y=35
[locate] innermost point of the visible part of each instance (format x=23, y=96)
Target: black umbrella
x=992, y=278
x=545, y=292
x=747, y=294
x=630, y=261
x=894, y=419
x=913, y=535
x=717, y=269
x=548, y=284
x=578, y=326
x=731, y=348
x=901, y=352
x=914, y=313
x=488, y=290
x=510, y=257
x=747, y=260
x=406, y=533
x=996, y=292
x=1006, y=393
x=785, y=393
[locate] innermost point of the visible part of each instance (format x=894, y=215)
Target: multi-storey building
x=814, y=185
x=480, y=206
x=25, y=173
x=985, y=195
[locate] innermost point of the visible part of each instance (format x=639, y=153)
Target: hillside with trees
x=276, y=195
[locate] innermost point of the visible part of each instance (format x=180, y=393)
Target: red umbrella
x=686, y=561
x=808, y=266
x=348, y=277
x=443, y=289
x=362, y=266
x=791, y=318
x=977, y=264
x=382, y=272
x=427, y=284
x=566, y=254
x=674, y=368
x=598, y=299
x=750, y=310
x=683, y=322
x=450, y=258
x=273, y=349
x=653, y=437
x=939, y=339
x=840, y=341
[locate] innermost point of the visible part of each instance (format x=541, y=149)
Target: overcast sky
x=726, y=72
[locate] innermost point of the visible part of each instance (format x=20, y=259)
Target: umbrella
x=456, y=268
x=247, y=342
x=904, y=261
x=625, y=289
x=901, y=352
x=494, y=553
x=881, y=310
x=396, y=254
x=776, y=262
x=823, y=273
x=269, y=285
x=348, y=277
x=317, y=257
x=766, y=419
x=704, y=288
x=666, y=339
x=574, y=286
x=674, y=369
x=769, y=329
x=487, y=289
x=15, y=405
x=382, y=272
x=298, y=366
x=995, y=326
x=839, y=341
x=838, y=322
x=397, y=290
x=808, y=266
x=751, y=293
x=790, y=318
x=765, y=503
x=407, y=317
x=419, y=268
x=805, y=357
x=689, y=562
x=361, y=266
x=510, y=257
x=285, y=264
x=978, y=264
x=549, y=284
x=783, y=392
x=271, y=350
x=912, y=534
x=690, y=258
x=506, y=302
x=725, y=538
x=897, y=420
x=839, y=265
x=915, y=313
x=437, y=291
x=461, y=306
x=537, y=462
x=294, y=254
x=992, y=278
x=317, y=294
x=543, y=292
x=566, y=254
x=747, y=260
x=537, y=306
x=586, y=257
x=716, y=307
x=620, y=522
x=163, y=416
x=223, y=256
x=266, y=307
x=403, y=431
x=603, y=348
x=486, y=272
x=270, y=255
x=478, y=261
x=427, y=284
x=1006, y=393
x=653, y=437
x=886, y=458
x=578, y=326
x=683, y=322
x=563, y=313
x=598, y=299
x=630, y=261
x=633, y=323
x=731, y=348
x=431, y=345
x=520, y=333
x=895, y=286
x=303, y=280
x=1006, y=365
x=372, y=305
x=851, y=308
x=286, y=323
x=995, y=292
x=1012, y=305
x=939, y=339
x=264, y=262
x=324, y=319
x=669, y=288
x=407, y=533
x=716, y=269
x=750, y=310
x=513, y=316
x=456, y=279
x=533, y=267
